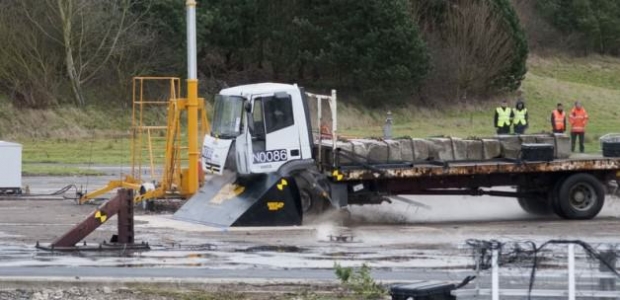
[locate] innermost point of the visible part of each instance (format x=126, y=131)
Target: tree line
x=84, y=52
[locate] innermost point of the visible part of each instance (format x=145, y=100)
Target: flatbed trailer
x=571, y=188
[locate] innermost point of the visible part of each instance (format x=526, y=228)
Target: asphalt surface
x=399, y=241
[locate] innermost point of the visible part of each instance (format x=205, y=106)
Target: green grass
x=56, y=170
x=96, y=137
x=595, y=81
x=79, y=151
x=226, y=294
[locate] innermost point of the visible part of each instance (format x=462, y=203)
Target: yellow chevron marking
x=227, y=192
x=282, y=184
x=273, y=206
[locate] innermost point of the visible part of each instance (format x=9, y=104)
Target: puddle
x=287, y=249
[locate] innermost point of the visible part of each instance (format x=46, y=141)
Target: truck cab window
x=257, y=116
x=278, y=113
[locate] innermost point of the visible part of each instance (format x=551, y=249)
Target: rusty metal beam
x=479, y=168
x=121, y=203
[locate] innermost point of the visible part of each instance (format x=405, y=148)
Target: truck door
x=276, y=138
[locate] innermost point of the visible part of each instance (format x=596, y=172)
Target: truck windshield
x=227, y=114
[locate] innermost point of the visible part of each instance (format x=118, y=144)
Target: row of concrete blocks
x=447, y=149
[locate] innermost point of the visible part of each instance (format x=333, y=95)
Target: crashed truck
x=270, y=168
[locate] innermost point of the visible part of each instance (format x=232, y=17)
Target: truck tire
x=312, y=203
x=554, y=199
x=581, y=197
x=535, y=204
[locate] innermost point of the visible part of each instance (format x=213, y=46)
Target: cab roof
x=259, y=88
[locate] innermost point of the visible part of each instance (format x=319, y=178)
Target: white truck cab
x=257, y=128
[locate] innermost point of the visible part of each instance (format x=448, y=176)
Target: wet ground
x=398, y=241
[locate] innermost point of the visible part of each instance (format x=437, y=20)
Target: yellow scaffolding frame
x=146, y=130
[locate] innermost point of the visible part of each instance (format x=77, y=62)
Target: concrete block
x=491, y=148
x=423, y=149
x=459, y=147
x=406, y=149
x=562, y=146
x=474, y=149
x=394, y=151
x=443, y=146
x=510, y=146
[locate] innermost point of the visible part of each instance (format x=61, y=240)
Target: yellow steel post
x=192, y=99
x=192, y=135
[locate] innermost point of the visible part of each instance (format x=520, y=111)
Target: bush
x=360, y=282
x=596, y=22
x=478, y=47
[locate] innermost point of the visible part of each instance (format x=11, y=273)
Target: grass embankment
x=594, y=80
x=55, y=139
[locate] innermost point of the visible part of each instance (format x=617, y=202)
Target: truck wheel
x=535, y=204
x=581, y=197
x=311, y=202
x=554, y=199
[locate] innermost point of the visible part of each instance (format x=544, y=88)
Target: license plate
x=207, y=153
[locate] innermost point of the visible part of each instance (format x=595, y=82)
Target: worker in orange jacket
x=558, y=119
x=578, y=120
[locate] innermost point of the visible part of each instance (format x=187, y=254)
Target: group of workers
x=517, y=118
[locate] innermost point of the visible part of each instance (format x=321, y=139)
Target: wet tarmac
x=398, y=241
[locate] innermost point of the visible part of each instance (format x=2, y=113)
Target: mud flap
x=261, y=200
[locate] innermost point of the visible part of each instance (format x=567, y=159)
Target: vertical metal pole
x=571, y=271
x=607, y=284
x=192, y=99
x=334, y=110
x=320, y=125
x=191, y=39
x=495, y=275
x=478, y=258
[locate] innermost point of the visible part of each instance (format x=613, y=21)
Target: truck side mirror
x=248, y=107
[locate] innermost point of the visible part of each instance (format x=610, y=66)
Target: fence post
x=607, y=284
x=387, y=127
x=495, y=276
x=571, y=271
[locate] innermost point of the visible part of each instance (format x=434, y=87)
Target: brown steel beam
x=121, y=203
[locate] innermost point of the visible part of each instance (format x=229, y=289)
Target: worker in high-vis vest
x=520, y=118
x=578, y=120
x=503, y=118
x=558, y=119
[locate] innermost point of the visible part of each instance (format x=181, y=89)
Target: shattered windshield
x=227, y=114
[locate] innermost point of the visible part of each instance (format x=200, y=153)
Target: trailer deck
x=470, y=168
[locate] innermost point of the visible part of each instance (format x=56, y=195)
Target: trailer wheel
x=536, y=204
x=581, y=197
x=554, y=199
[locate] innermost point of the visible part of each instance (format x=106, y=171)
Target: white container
x=10, y=165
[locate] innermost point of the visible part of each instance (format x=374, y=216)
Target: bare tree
x=28, y=61
x=88, y=30
x=470, y=47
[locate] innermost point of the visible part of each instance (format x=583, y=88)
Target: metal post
x=125, y=218
x=192, y=100
x=320, y=125
x=607, y=284
x=478, y=258
x=334, y=110
x=387, y=127
x=495, y=275
x=571, y=271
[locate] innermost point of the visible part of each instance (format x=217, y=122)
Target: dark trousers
x=520, y=129
x=573, y=137
x=503, y=129
x=558, y=131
